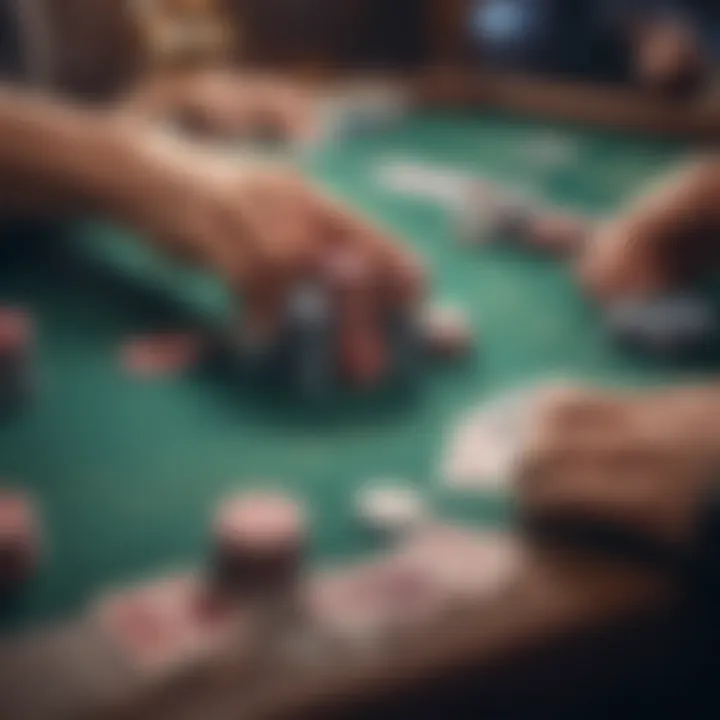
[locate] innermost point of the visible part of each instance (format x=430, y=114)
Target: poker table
x=127, y=471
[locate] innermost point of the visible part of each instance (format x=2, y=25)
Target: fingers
x=398, y=275
x=627, y=258
x=616, y=459
x=664, y=240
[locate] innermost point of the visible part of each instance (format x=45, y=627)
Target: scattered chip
x=556, y=232
x=16, y=357
x=390, y=507
x=20, y=541
x=259, y=541
x=161, y=355
x=491, y=214
x=447, y=330
x=671, y=325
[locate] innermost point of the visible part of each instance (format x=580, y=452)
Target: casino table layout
x=127, y=471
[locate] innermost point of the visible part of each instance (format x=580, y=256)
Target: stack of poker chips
x=17, y=344
x=259, y=542
x=307, y=353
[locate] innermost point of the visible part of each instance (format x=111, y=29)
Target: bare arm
x=55, y=155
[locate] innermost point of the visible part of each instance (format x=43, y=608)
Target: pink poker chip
x=16, y=329
x=557, y=232
x=160, y=355
x=19, y=537
x=260, y=521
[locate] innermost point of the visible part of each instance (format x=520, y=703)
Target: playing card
x=58, y=672
x=464, y=563
x=365, y=604
x=425, y=181
x=165, y=625
x=485, y=445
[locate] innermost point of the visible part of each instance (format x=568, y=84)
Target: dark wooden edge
x=606, y=106
x=603, y=106
x=560, y=612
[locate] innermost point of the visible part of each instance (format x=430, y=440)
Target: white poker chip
x=390, y=507
x=446, y=329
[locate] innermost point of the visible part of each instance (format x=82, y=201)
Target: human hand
x=263, y=228
x=643, y=462
x=664, y=240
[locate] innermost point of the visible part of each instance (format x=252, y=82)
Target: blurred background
x=663, y=46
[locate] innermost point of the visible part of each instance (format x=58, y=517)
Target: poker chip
x=671, y=325
x=488, y=214
x=447, y=330
x=16, y=356
x=19, y=539
x=556, y=232
x=161, y=354
x=259, y=542
x=16, y=329
x=390, y=507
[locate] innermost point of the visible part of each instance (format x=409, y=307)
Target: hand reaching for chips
x=643, y=462
x=665, y=239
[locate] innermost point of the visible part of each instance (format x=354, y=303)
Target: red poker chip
x=161, y=355
x=447, y=331
x=362, y=357
x=557, y=232
x=16, y=329
x=19, y=537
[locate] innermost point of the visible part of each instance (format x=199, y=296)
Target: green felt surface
x=127, y=471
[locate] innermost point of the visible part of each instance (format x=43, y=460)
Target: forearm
x=55, y=155
x=687, y=201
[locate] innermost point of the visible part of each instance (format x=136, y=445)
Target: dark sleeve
x=701, y=16
x=12, y=60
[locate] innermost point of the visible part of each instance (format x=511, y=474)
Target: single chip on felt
x=163, y=626
x=390, y=507
x=258, y=542
x=667, y=325
x=161, y=355
x=19, y=538
x=556, y=232
x=488, y=214
x=447, y=331
x=361, y=355
x=16, y=329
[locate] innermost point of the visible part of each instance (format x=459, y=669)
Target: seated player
x=656, y=45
